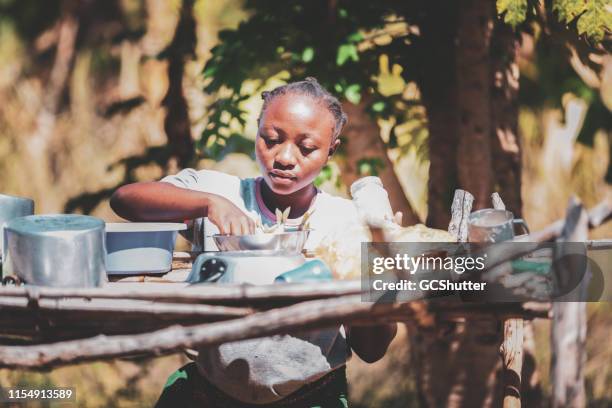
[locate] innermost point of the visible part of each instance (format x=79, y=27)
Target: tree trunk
x=475, y=22
x=506, y=153
x=458, y=364
x=505, y=141
x=439, y=91
x=362, y=141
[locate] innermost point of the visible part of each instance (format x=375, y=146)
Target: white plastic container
x=372, y=201
x=134, y=248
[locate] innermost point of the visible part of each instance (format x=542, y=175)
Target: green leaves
x=325, y=175
x=514, y=11
x=353, y=93
x=308, y=54
x=369, y=166
x=346, y=52
x=235, y=143
x=596, y=20
x=219, y=137
x=378, y=107
x=591, y=16
x=210, y=71
x=567, y=10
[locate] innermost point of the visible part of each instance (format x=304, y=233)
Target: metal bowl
x=292, y=241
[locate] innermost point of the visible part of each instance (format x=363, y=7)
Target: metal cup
x=491, y=225
x=12, y=207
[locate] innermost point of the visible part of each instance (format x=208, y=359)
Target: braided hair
x=310, y=87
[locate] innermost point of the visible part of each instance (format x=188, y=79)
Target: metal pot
x=12, y=207
x=56, y=250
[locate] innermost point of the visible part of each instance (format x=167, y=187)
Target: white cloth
x=264, y=370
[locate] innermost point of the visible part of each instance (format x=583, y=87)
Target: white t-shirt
x=268, y=369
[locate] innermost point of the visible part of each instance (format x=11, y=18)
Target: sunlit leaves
x=390, y=81
x=308, y=54
x=593, y=17
x=353, y=93
x=210, y=71
x=369, y=166
x=378, y=107
x=325, y=175
x=567, y=10
x=514, y=11
x=349, y=51
x=346, y=52
x=596, y=20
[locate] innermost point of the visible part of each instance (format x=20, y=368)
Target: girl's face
x=294, y=142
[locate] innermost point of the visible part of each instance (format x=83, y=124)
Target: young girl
x=298, y=132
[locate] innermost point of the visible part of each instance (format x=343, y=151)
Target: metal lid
x=51, y=223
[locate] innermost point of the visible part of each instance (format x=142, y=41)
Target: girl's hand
x=228, y=218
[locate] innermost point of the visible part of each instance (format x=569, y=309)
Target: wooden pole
x=569, y=317
x=460, y=211
x=300, y=317
x=229, y=294
x=511, y=349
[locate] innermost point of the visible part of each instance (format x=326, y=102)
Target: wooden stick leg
x=512, y=347
x=512, y=357
x=569, y=325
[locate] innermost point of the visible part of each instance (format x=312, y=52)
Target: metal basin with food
x=140, y=247
x=291, y=241
x=62, y=250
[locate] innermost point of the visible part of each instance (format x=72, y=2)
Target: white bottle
x=372, y=201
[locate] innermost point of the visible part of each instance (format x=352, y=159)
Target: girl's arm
x=164, y=202
x=370, y=343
